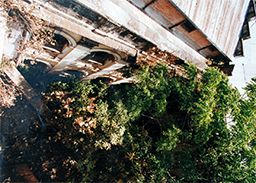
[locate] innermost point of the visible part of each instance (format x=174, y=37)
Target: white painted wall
x=245, y=67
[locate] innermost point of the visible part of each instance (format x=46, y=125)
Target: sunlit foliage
x=160, y=129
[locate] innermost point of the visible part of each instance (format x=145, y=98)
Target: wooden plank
x=127, y=15
x=140, y=3
x=63, y=20
x=164, y=8
x=112, y=66
x=77, y=53
x=199, y=38
x=220, y=20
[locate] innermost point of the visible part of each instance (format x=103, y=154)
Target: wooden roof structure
x=204, y=32
x=220, y=20
x=213, y=28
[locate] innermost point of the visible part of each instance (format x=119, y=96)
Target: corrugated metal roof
x=220, y=20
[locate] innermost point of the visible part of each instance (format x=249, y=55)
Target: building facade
x=98, y=37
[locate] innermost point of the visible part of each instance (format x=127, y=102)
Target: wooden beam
x=127, y=15
x=63, y=20
x=77, y=53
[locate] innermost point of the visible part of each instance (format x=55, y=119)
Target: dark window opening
x=245, y=33
x=239, y=49
x=59, y=43
x=251, y=11
x=88, y=43
x=99, y=57
x=124, y=33
x=188, y=26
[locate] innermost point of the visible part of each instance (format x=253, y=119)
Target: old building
x=98, y=37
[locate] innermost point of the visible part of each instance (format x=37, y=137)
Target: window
x=99, y=57
x=245, y=33
x=251, y=11
x=57, y=46
x=239, y=48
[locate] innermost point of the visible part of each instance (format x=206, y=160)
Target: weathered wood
x=112, y=66
x=63, y=20
x=127, y=15
x=77, y=53
x=220, y=20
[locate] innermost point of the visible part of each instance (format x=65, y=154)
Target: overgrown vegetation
x=161, y=129
x=19, y=14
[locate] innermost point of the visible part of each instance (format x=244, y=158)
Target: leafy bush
x=160, y=129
